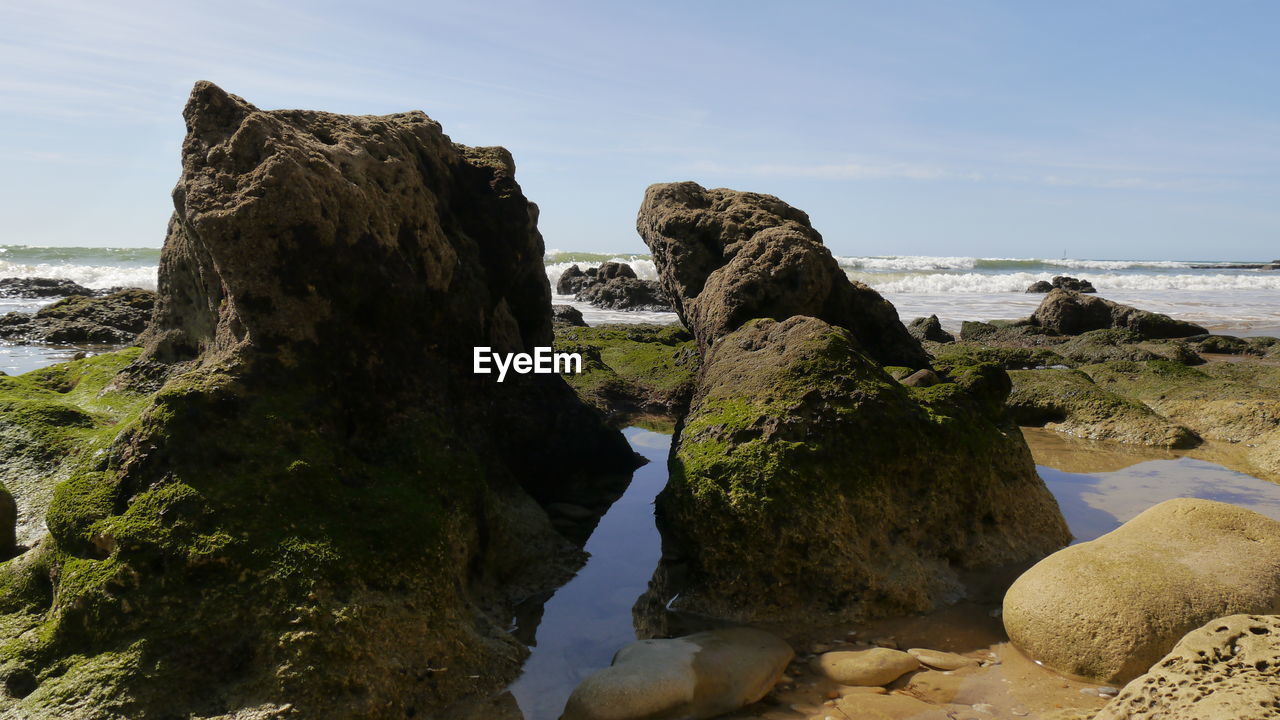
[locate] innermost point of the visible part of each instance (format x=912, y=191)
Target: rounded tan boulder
x=877, y=666
x=1108, y=609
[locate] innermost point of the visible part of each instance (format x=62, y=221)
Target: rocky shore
x=293, y=497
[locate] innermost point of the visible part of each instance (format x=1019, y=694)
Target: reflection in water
x=17, y=359
x=1100, y=485
x=589, y=618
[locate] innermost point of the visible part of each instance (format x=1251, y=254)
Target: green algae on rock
x=632, y=368
x=1068, y=401
x=806, y=483
x=303, y=503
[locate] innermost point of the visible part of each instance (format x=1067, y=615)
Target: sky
x=1123, y=129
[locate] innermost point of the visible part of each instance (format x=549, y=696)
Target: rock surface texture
x=1070, y=313
x=726, y=257
x=1228, y=669
x=114, y=319
x=802, y=463
x=1110, y=608
x=300, y=501
x=693, y=677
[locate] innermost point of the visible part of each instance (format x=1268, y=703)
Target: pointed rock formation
x=806, y=483
x=321, y=511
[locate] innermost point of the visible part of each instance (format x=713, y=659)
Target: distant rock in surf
x=39, y=287
x=1071, y=313
x=114, y=319
x=1064, y=282
x=613, y=286
x=929, y=329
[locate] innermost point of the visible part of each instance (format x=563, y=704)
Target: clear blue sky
x=1120, y=129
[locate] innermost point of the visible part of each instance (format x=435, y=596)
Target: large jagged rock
x=613, y=286
x=802, y=464
x=1070, y=313
x=1229, y=668
x=321, y=512
x=1110, y=608
x=115, y=319
x=725, y=257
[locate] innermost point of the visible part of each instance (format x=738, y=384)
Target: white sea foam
x=91, y=276
x=1016, y=282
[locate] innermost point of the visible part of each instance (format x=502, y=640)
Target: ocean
x=1219, y=297
x=956, y=289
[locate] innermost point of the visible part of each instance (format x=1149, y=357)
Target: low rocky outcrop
x=613, y=286
x=1229, y=668
x=694, y=677
x=1110, y=608
x=726, y=257
x=298, y=499
x=114, y=319
x=1067, y=312
x=567, y=315
x=39, y=287
x=796, y=427
x=1064, y=282
x=633, y=369
x=1070, y=402
x=929, y=329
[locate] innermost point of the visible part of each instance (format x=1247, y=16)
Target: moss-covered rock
x=630, y=368
x=298, y=500
x=1098, y=346
x=807, y=485
x=1068, y=401
x=1231, y=402
x=961, y=353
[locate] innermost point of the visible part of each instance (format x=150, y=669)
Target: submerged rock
x=802, y=463
x=726, y=257
x=322, y=511
x=1070, y=313
x=1229, y=668
x=114, y=319
x=929, y=329
x=693, y=677
x=38, y=287
x=874, y=667
x=1108, y=609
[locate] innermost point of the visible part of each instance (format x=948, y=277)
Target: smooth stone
x=941, y=660
x=1109, y=609
x=692, y=677
x=877, y=666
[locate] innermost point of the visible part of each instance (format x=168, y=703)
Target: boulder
x=625, y=293
x=693, y=677
x=1109, y=609
x=1040, y=286
x=942, y=660
x=803, y=464
x=929, y=329
x=1229, y=668
x=1071, y=313
x=874, y=667
x=114, y=319
x=725, y=257
x=38, y=287
x=572, y=280
x=312, y=505
x=1074, y=284
x=567, y=315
